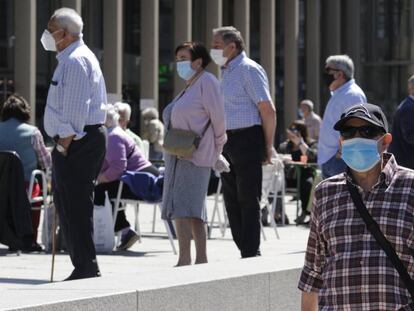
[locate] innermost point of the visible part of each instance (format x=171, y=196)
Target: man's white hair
x=69, y=20
x=343, y=63
x=124, y=109
x=112, y=116
x=411, y=80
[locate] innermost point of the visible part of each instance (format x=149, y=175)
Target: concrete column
x=332, y=27
x=73, y=4
x=291, y=60
x=113, y=48
x=25, y=52
x=242, y=20
x=353, y=33
x=182, y=32
x=214, y=13
x=268, y=41
x=313, y=54
x=149, y=53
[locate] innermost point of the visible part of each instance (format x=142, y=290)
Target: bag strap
x=375, y=230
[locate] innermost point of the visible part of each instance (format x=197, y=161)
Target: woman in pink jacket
x=199, y=108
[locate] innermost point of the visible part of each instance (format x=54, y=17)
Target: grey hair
x=230, y=34
x=123, y=109
x=411, y=80
x=68, y=19
x=343, y=63
x=112, y=116
x=307, y=102
x=150, y=113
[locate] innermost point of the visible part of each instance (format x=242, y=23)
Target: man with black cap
x=345, y=267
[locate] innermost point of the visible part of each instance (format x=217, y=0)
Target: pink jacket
x=203, y=101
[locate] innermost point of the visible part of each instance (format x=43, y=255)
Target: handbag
x=182, y=143
x=386, y=246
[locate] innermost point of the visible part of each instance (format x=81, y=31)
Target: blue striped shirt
x=77, y=93
x=244, y=84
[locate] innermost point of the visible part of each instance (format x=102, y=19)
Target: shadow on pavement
x=22, y=281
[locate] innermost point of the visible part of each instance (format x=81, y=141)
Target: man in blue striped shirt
x=251, y=123
x=75, y=112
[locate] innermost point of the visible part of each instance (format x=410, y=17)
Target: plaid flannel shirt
x=343, y=262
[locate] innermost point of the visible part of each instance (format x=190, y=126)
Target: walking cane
x=53, y=243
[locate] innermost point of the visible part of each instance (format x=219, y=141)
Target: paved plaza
x=23, y=275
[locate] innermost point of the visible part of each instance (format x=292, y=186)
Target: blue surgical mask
x=184, y=70
x=360, y=154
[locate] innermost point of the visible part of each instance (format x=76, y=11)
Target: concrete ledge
x=249, y=284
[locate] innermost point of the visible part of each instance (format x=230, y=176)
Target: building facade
x=135, y=39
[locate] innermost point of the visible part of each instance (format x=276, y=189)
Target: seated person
x=124, y=110
x=299, y=144
x=121, y=154
x=153, y=131
x=17, y=135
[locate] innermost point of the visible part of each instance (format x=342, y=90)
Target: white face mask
x=217, y=57
x=48, y=41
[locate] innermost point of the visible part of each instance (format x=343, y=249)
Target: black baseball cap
x=368, y=112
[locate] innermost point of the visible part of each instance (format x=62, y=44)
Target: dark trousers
x=242, y=187
x=112, y=189
x=73, y=179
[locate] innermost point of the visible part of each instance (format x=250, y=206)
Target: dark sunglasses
x=365, y=131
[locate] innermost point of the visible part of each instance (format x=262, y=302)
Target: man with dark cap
x=345, y=267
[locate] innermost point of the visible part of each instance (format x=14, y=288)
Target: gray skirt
x=185, y=189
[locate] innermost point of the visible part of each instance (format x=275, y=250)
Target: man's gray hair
x=230, y=34
x=68, y=19
x=123, y=109
x=411, y=80
x=343, y=63
x=308, y=103
x=112, y=116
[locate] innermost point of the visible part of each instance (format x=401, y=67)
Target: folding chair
x=269, y=173
x=42, y=197
x=222, y=220
x=121, y=204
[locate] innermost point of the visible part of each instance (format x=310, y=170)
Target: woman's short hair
x=197, y=50
x=16, y=107
x=302, y=129
x=112, y=116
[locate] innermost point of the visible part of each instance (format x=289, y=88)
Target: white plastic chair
x=121, y=204
x=42, y=197
x=222, y=220
x=268, y=185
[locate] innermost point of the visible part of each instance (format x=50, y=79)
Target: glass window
x=387, y=51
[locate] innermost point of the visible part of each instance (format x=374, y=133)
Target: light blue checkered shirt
x=342, y=98
x=244, y=84
x=77, y=93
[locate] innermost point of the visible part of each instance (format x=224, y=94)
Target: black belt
x=88, y=128
x=244, y=129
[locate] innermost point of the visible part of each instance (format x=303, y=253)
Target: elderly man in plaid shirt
x=345, y=268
